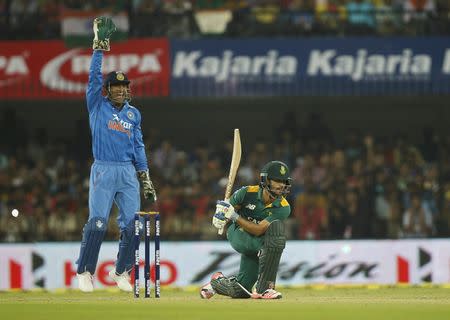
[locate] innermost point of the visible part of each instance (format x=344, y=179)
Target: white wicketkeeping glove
x=224, y=212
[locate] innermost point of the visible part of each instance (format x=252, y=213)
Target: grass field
x=305, y=303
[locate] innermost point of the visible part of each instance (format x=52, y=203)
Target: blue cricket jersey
x=116, y=135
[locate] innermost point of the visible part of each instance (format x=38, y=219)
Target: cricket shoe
x=207, y=291
x=122, y=280
x=85, y=281
x=268, y=294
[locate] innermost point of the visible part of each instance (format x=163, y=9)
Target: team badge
x=283, y=170
x=99, y=224
x=120, y=76
x=130, y=115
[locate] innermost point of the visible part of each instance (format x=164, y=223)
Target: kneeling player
x=257, y=215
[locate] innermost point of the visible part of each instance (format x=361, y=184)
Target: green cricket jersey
x=248, y=203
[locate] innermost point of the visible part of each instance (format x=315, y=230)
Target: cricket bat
x=235, y=160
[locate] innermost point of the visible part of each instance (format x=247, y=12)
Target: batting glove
x=225, y=211
x=219, y=222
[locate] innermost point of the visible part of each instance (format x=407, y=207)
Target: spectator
x=394, y=219
x=331, y=16
x=388, y=17
x=354, y=199
x=4, y=17
x=265, y=17
x=358, y=218
x=361, y=17
x=418, y=15
x=298, y=18
x=179, y=18
x=149, y=20
x=311, y=212
x=337, y=215
x=417, y=219
x=39, y=19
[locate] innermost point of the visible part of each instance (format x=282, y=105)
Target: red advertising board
x=48, y=69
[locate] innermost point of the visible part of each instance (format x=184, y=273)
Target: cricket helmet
x=277, y=171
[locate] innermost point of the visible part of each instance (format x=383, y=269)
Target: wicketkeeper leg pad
x=125, y=256
x=270, y=255
x=228, y=287
x=93, y=233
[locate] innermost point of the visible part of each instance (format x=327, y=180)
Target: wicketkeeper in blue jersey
x=120, y=165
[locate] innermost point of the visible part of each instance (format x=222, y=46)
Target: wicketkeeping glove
x=103, y=29
x=147, y=185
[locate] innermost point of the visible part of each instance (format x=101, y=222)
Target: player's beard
x=273, y=195
x=277, y=194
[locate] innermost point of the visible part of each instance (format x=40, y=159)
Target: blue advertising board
x=310, y=66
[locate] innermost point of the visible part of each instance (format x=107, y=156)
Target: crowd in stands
x=358, y=187
x=41, y=19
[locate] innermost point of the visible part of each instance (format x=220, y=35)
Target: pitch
x=300, y=303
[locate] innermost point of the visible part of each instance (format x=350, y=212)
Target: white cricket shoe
x=207, y=291
x=268, y=294
x=85, y=281
x=122, y=280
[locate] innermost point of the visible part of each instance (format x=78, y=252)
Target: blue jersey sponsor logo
x=119, y=125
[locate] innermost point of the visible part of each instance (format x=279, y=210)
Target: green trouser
x=248, y=246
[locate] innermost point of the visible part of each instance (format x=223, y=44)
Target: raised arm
x=103, y=28
x=94, y=88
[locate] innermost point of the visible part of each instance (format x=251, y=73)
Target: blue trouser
x=113, y=181
x=110, y=181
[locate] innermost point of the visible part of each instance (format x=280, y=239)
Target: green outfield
x=304, y=303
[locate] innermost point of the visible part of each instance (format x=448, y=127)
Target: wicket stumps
x=147, y=233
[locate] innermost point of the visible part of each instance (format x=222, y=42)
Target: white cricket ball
x=15, y=213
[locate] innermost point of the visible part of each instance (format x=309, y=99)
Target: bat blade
x=234, y=166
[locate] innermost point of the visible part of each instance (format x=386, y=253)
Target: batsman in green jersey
x=255, y=215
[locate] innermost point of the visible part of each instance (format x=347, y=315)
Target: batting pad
x=229, y=287
x=269, y=259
